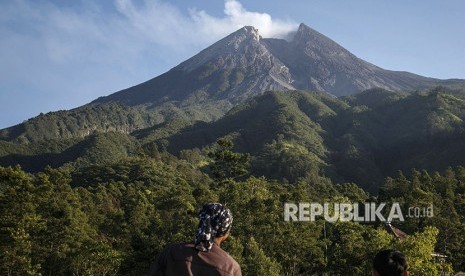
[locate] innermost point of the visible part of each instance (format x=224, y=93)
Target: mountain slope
x=98, y=148
x=244, y=64
x=229, y=72
x=233, y=68
x=361, y=139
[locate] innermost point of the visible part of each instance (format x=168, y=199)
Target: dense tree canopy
x=114, y=219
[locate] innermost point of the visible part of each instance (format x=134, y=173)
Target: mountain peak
x=303, y=28
x=249, y=31
x=307, y=36
x=246, y=33
x=230, y=45
x=305, y=33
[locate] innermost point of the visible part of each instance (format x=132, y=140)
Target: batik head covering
x=215, y=221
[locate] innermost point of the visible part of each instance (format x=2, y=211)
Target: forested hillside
x=114, y=219
x=362, y=138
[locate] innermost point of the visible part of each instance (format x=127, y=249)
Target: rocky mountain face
x=317, y=63
x=234, y=69
x=244, y=64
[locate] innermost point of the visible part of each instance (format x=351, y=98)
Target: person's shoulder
x=173, y=253
x=179, y=246
x=180, y=251
x=229, y=263
x=235, y=264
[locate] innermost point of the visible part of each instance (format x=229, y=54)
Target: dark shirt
x=183, y=259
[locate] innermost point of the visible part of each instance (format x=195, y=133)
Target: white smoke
x=236, y=16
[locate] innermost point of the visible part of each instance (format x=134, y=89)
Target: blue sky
x=61, y=54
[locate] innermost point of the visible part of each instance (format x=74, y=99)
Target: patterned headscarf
x=215, y=221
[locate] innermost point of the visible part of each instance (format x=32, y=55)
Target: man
x=390, y=263
x=205, y=256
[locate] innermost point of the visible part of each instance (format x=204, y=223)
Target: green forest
x=102, y=189
x=114, y=219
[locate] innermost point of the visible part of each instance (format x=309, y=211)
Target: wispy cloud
x=88, y=32
x=162, y=23
x=58, y=55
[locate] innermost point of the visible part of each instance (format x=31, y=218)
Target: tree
x=227, y=164
x=352, y=245
x=257, y=263
x=18, y=219
x=418, y=248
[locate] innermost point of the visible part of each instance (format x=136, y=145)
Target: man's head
x=390, y=263
x=215, y=225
